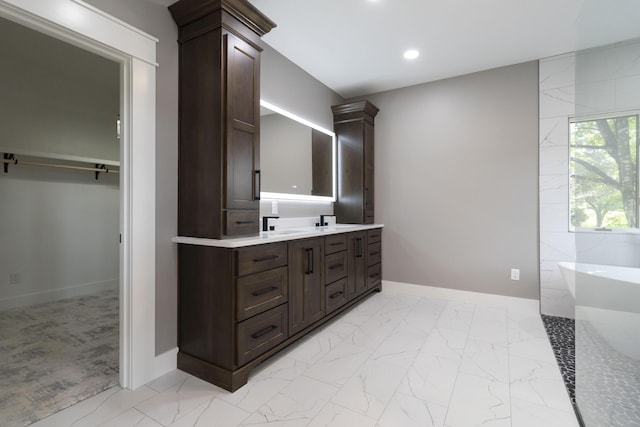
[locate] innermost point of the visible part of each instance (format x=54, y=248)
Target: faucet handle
x=265, y=222
x=322, y=219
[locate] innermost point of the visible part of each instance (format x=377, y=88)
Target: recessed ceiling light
x=411, y=54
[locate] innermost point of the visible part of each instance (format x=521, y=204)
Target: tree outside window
x=604, y=173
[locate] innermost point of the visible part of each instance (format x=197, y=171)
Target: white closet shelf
x=98, y=166
x=56, y=156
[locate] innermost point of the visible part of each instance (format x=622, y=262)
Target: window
x=603, y=184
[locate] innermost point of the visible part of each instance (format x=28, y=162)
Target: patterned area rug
x=55, y=355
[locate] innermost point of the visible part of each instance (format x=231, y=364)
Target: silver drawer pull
x=263, y=332
x=263, y=291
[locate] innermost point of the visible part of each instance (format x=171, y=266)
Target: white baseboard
x=461, y=296
x=165, y=363
x=56, y=294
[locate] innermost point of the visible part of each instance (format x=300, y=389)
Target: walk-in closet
x=59, y=224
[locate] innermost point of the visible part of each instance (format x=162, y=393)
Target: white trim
x=57, y=294
x=77, y=23
x=461, y=296
x=60, y=17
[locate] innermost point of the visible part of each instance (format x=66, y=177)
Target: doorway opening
x=60, y=255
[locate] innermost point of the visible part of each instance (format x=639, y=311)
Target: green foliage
x=604, y=174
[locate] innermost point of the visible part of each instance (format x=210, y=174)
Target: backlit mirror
x=296, y=157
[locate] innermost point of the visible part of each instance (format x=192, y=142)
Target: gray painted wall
x=456, y=166
x=59, y=227
x=156, y=20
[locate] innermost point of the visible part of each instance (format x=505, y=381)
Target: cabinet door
x=356, y=274
x=368, y=173
x=306, y=283
x=242, y=148
x=349, y=208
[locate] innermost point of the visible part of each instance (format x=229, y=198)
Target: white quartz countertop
x=282, y=235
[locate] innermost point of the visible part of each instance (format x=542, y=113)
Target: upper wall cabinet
x=219, y=148
x=353, y=125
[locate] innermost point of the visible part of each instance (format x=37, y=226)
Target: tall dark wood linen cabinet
x=353, y=124
x=219, y=136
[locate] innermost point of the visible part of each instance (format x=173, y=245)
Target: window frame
x=599, y=116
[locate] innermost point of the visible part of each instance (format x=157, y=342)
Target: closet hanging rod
x=98, y=169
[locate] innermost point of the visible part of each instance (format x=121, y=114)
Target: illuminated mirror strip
x=301, y=197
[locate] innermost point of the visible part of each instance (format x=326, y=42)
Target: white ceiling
x=355, y=47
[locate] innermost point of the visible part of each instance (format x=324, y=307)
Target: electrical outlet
x=14, y=278
x=274, y=208
x=515, y=274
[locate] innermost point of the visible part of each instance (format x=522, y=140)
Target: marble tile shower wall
x=602, y=80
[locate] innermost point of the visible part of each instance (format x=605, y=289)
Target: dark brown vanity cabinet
x=239, y=306
x=357, y=263
x=219, y=137
x=374, y=258
x=306, y=275
x=353, y=124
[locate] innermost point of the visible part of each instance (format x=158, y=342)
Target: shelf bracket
x=9, y=158
x=102, y=168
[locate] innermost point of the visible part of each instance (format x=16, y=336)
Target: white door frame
x=80, y=24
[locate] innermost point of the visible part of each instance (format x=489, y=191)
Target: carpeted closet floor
x=56, y=354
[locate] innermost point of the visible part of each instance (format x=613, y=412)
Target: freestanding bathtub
x=604, y=286
x=608, y=298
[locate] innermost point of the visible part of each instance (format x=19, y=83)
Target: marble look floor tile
x=98, y=409
x=486, y=360
x=431, y=378
x=168, y=380
x=478, y=401
x=538, y=382
x=316, y=346
x=457, y=316
x=337, y=416
x=214, y=413
x=255, y=393
x=407, y=411
x=533, y=348
x=176, y=402
x=369, y=391
x=131, y=418
x=370, y=334
x=423, y=316
x=489, y=313
x=296, y=404
x=490, y=331
x=337, y=366
x=400, y=348
x=265, y=382
x=447, y=343
x=527, y=414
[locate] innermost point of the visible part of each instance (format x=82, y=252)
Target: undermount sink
x=285, y=231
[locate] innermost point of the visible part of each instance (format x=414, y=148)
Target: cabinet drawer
x=374, y=253
x=335, y=295
x=241, y=222
x=254, y=259
x=374, y=236
x=335, y=266
x=374, y=275
x=261, y=333
x=335, y=243
x=261, y=291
